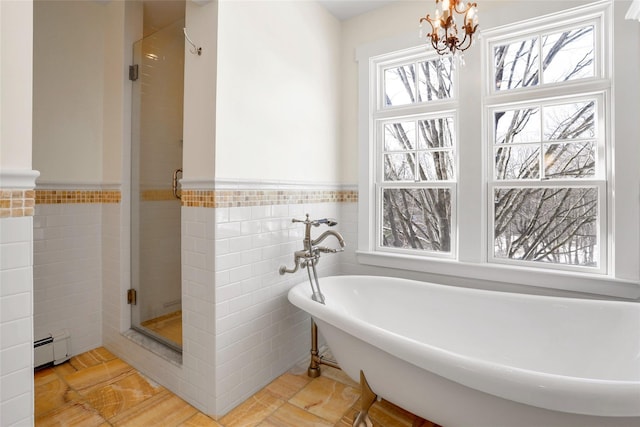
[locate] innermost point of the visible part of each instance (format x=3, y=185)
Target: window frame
x=382, y=114
x=471, y=267
x=600, y=180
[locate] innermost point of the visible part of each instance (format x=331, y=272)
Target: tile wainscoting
x=245, y=228
x=16, y=296
x=239, y=330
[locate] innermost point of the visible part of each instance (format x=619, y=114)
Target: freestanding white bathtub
x=465, y=357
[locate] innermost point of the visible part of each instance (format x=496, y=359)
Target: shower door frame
x=137, y=187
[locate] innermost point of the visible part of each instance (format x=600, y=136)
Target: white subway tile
x=228, y=292
x=239, y=244
x=240, y=213
x=222, y=215
x=15, y=358
x=16, y=230
x=227, y=230
x=14, y=307
x=261, y=212
x=240, y=273
x=15, y=281
x=15, y=255
x=16, y=383
x=12, y=411
x=249, y=228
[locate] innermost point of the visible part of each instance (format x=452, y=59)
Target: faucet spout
x=326, y=234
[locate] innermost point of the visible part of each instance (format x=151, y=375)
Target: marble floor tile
x=43, y=376
x=98, y=389
x=339, y=375
x=287, y=385
x=326, y=398
x=348, y=418
x=162, y=409
x=200, y=420
x=253, y=411
x=289, y=415
x=116, y=398
x=50, y=395
x=95, y=376
x=64, y=369
x=91, y=358
x=72, y=414
x=384, y=413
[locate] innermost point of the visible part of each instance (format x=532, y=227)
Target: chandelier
x=444, y=35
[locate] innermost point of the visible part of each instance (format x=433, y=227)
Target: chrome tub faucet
x=309, y=256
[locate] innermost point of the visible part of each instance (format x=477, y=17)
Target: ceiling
x=160, y=13
x=345, y=9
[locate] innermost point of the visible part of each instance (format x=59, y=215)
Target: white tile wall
x=259, y=334
x=67, y=273
x=16, y=330
x=198, y=308
x=239, y=330
x=193, y=380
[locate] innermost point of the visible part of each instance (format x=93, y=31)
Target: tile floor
x=169, y=326
x=98, y=389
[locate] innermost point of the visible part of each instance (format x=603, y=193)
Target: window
x=415, y=159
x=505, y=169
x=548, y=175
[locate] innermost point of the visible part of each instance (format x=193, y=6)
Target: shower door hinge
x=133, y=72
x=132, y=297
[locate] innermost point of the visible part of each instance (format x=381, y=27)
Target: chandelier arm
x=466, y=9
x=460, y=45
x=433, y=35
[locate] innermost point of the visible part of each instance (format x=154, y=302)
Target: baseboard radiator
x=52, y=349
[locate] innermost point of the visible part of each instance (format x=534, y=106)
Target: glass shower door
x=156, y=162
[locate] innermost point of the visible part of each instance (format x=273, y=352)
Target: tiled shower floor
x=168, y=326
x=98, y=389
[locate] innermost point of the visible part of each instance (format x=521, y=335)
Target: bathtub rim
x=597, y=397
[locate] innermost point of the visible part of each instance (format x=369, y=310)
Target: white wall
x=15, y=84
x=278, y=101
x=200, y=94
x=116, y=117
x=69, y=77
x=16, y=235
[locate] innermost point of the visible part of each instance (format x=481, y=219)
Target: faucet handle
x=329, y=221
x=306, y=220
x=316, y=223
x=329, y=250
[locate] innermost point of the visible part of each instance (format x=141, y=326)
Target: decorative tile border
x=157, y=195
x=16, y=203
x=242, y=198
x=56, y=197
x=198, y=198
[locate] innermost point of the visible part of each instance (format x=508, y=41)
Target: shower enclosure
x=156, y=162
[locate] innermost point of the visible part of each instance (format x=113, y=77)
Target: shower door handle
x=175, y=182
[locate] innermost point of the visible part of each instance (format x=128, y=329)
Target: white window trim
x=599, y=181
x=470, y=267
x=382, y=115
